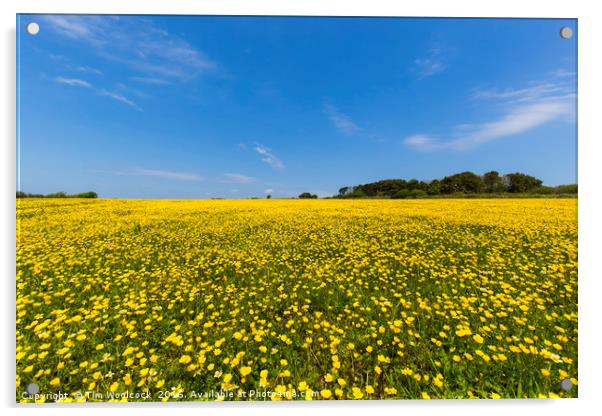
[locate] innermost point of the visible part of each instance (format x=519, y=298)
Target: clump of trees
x=58, y=195
x=307, y=195
x=461, y=184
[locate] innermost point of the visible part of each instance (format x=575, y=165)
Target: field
x=293, y=299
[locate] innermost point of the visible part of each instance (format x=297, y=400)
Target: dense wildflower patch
x=296, y=299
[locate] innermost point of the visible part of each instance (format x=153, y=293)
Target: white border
x=590, y=187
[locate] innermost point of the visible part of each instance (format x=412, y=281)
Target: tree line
x=58, y=195
x=464, y=183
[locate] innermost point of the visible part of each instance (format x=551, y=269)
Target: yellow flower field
x=296, y=299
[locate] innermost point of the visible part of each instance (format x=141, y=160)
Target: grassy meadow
x=296, y=299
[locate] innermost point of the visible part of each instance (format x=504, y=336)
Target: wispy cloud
x=181, y=176
x=88, y=69
x=118, y=97
x=342, y=122
x=563, y=73
x=268, y=191
x=524, y=109
x=430, y=64
x=136, y=42
x=530, y=93
x=150, y=81
x=238, y=178
x=75, y=82
x=269, y=157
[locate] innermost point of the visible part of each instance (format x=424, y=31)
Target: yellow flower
x=245, y=371
x=185, y=359
x=478, y=338
x=545, y=372
x=463, y=332
x=369, y=389
x=55, y=381
x=160, y=384
x=309, y=394
x=328, y=378
x=382, y=359
x=302, y=386
x=327, y=394
x=114, y=386
x=357, y=393
x=99, y=347
x=390, y=391
x=425, y=395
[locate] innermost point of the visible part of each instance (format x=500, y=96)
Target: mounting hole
x=566, y=384
x=32, y=28
x=566, y=32
x=32, y=388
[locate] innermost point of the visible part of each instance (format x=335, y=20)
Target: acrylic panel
x=295, y=208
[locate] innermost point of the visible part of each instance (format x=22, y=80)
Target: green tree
x=493, y=182
x=566, y=189
x=307, y=195
x=519, y=182
x=465, y=182
x=434, y=187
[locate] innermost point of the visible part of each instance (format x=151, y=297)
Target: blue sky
x=201, y=107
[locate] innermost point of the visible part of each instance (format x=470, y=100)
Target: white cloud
x=181, y=176
x=76, y=82
x=73, y=82
x=433, y=63
x=342, y=122
x=524, y=110
x=238, y=178
x=269, y=157
x=150, y=81
x=428, y=67
x=135, y=42
x=561, y=73
x=528, y=94
x=421, y=141
x=88, y=69
x=118, y=97
x=269, y=191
